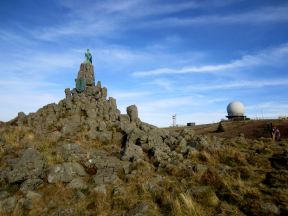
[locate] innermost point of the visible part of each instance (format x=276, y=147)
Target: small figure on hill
x=88, y=57
x=269, y=128
x=220, y=128
x=276, y=135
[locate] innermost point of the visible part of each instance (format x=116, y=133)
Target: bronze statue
x=88, y=57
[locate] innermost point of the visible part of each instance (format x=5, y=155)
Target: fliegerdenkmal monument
x=88, y=56
x=86, y=74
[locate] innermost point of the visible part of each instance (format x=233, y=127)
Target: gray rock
x=104, y=92
x=198, y=142
x=127, y=127
x=269, y=208
x=71, y=125
x=32, y=195
x=119, y=191
x=187, y=133
x=182, y=147
x=132, y=149
x=71, y=152
x=132, y=152
x=68, y=93
x=132, y=111
x=100, y=189
x=4, y=194
x=146, y=127
x=31, y=184
x=117, y=138
x=62, y=211
x=140, y=209
x=77, y=183
x=172, y=142
x=65, y=172
x=30, y=165
x=106, y=166
x=124, y=118
x=79, y=195
x=21, y=119
x=54, y=136
x=7, y=205
x=101, y=126
x=105, y=176
x=104, y=137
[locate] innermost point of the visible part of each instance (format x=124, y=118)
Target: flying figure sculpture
x=88, y=57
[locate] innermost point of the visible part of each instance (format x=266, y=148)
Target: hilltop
x=251, y=129
x=82, y=156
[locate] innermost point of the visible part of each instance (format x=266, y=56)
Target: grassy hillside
x=206, y=173
x=251, y=129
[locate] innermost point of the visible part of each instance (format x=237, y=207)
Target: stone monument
x=86, y=74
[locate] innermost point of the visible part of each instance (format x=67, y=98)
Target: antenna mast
x=174, y=120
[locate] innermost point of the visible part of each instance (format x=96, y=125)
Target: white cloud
x=121, y=95
x=165, y=84
x=240, y=84
x=28, y=101
x=268, y=110
x=165, y=104
x=259, y=16
x=265, y=57
x=108, y=18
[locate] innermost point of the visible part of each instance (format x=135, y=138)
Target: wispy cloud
x=259, y=16
x=239, y=84
x=165, y=84
x=265, y=57
x=28, y=101
x=128, y=94
x=107, y=18
x=271, y=109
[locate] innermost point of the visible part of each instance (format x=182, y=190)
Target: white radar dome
x=235, y=108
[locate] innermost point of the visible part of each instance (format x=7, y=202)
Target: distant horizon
x=186, y=57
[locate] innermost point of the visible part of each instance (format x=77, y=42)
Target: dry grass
x=231, y=172
x=12, y=136
x=186, y=205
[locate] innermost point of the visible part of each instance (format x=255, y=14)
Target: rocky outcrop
x=29, y=165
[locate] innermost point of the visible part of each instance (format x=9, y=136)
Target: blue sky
x=186, y=57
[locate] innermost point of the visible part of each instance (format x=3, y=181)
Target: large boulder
x=132, y=111
x=132, y=149
x=29, y=165
x=71, y=152
x=31, y=184
x=65, y=172
x=104, y=137
x=198, y=142
x=78, y=183
x=107, y=167
x=7, y=205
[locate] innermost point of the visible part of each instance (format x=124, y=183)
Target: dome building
x=236, y=111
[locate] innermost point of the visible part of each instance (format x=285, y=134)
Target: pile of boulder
x=88, y=111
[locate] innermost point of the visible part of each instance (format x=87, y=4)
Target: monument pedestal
x=85, y=77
